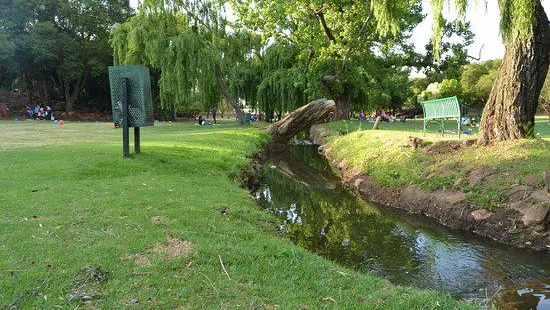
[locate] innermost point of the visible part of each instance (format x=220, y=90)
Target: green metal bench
x=440, y=109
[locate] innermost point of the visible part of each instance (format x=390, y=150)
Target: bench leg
x=424, y=128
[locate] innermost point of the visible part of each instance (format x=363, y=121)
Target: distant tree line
x=274, y=56
x=58, y=50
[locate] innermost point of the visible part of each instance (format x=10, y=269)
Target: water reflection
x=320, y=215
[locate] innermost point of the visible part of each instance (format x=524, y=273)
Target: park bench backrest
x=441, y=108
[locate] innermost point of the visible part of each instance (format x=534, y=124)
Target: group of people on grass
x=40, y=112
x=382, y=114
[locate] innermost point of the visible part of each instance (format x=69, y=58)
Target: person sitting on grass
x=41, y=112
x=383, y=116
x=362, y=115
x=29, y=113
x=48, y=114
x=36, y=110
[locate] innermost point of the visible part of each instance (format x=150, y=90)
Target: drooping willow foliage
x=281, y=91
x=165, y=40
x=516, y=22
x=244, y=80
x=283, y=84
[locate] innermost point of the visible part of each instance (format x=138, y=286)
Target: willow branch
x=362, y=37
x=321, y=17
x=479, y=55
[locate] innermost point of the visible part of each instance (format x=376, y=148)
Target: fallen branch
x=300, y=120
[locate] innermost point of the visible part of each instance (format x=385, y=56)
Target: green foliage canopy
x=57, y=45
x=188, y=41
x=352, y=45
x=477, y=80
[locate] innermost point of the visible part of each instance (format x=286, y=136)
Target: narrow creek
x=316, y=212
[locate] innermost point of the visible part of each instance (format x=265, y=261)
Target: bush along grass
x=484, y=174
x=81, y=226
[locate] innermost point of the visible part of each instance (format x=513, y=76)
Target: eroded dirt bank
x=523, y=221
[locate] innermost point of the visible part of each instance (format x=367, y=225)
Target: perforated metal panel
x=140, y=103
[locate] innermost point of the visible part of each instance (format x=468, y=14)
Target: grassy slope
x=95, y=208
x=385, y=156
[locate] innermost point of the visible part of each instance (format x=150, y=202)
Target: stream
x=318, y=213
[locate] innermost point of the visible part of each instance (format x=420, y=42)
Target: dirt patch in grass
x=175, y=249
x=443, y=147
x=85, y=287
x=155, y=220
x=35, y=218
x=141, y=259
x=480, y=174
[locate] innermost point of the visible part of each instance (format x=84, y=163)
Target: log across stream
x=316, y=212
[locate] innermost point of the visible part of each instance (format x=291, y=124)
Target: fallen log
x=300, y=120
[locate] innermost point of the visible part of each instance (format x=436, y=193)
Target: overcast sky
x=484, y=24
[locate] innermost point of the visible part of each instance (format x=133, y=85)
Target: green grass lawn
x=414, y=127
x=80, y=225
x=385, y=156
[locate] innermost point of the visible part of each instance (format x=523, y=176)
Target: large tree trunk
x=69, y=103
x=71, y=96
x=2, y=69
x=300, y=119
x=227, y=94
x=510, y=110
x=342, y=107
x=46, y=87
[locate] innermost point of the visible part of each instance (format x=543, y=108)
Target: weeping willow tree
x=188, y=41
x=283, y=85
x=510, y=110
x=333, y=39
x=244, y=80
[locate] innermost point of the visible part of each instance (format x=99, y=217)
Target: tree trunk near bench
x=510, y=110
x=301, y=119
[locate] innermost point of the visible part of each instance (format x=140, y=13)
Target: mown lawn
x=414, y=127
x=81, y=226
x=385, y=155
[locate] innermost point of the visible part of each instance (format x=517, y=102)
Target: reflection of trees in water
x=320, y=215
x=536, y=295
x=334, y=223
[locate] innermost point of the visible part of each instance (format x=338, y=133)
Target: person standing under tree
x=213, y=112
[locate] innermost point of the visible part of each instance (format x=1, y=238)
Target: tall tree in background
x=188, y=40
x=453, y=52
x=337, y=40
x=477, y=79
x=283, y=80
x=58, y=45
